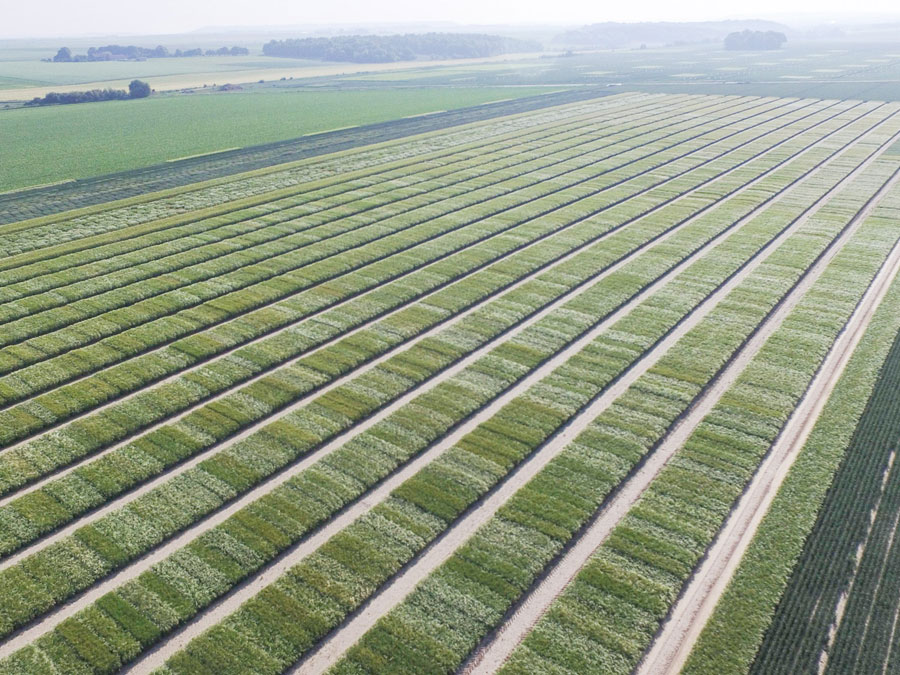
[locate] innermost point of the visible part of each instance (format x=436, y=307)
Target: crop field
x=840, y=69
x=534, y=393
x=99, y=138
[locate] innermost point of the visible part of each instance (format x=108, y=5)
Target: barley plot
x=474, y=400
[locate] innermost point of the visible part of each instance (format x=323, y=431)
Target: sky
x=51, y=18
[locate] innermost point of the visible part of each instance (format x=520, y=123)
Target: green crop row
x=52, y=408
x=489, y=571
x=242, y=268
x=479, y=460
x=847, y=556
x=133, y=238
x=731, y=639
x=213, y=237
x=183, y=500
x=203, y=303
x=639, y=571
x=102, y=224
x=144, y=409
x=459, y=603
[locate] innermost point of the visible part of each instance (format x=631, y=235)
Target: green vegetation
x=643, y=564
x=124, y=135
x=279, y=388
x=864, y=400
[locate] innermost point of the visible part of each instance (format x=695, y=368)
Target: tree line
x=136, y=89
x=389, y=48
x=131, y=52
x=754, y=40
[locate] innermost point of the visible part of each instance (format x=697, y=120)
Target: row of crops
x=814, y=592
x=227, y=431
x=88, y=431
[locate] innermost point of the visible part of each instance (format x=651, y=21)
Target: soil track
x=329, y=651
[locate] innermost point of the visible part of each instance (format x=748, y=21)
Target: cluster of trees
x=612, y=35
x=754, y=40
x=388, y=48
x=136, y=89
x=131, y=52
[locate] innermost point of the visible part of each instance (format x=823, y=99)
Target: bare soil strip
x=673, y=645
x=489, y=660
x=247, y=589
x=391, y=594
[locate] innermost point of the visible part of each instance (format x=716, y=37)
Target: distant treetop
x=132, y=53
x=388, y=48
x=136, y=89
x=754, y=40
x=613, y=35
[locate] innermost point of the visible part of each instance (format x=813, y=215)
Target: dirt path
x=392, y=594
x=698, y=600
x=495, y=651
x=53, y=475
x=66, y=610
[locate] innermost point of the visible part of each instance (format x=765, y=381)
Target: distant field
x=92, y=139
x=825, y=70
x=42, y=73
x=171, y=74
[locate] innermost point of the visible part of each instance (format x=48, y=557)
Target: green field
x=530, y=364
x=45, y=145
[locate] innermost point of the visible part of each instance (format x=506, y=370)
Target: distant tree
x=133, y=53
x=387, y=48
x=92, y=96
x=138, y=89
x=754, y=40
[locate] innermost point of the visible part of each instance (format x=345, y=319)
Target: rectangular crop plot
x=495, y=397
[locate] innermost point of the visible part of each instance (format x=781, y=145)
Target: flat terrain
x=186, y=73
x=520, y=393
x=97, y=138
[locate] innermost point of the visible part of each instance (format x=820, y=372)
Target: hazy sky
x=20, y=18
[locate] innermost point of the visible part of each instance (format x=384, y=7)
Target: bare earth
x=62, y=612
x=232, y=601
x=158, y=655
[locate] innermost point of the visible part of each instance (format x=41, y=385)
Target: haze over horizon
x=59, y=18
